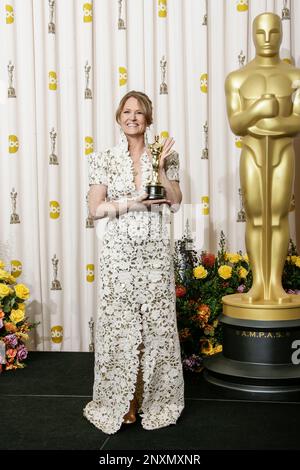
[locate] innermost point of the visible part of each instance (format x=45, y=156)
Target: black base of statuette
x=156, y=192
x=257, y=356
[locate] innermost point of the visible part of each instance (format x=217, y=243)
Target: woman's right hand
x=136, y=204
x=143, y=203
x=154, y=202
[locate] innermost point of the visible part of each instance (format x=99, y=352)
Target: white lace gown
x=136, y=304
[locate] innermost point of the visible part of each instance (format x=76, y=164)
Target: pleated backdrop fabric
x=65, y=64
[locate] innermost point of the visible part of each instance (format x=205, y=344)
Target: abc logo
x=162, y=8
x=10, y=16
x=239, y=142
x=57, y=334
x=13, y=144
x=87, y=12
x=16, y=268
x=54, y=209
x=122, y=76
x=242, y=5
x=164, y=134
x=203, y=82
x=88, y=145
x=205, y=205
x=90, y=269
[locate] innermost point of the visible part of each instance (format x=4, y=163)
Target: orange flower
x=203, y=314
x=1, y=314
x=10, y=327
x=11, y=354
x=204, y=308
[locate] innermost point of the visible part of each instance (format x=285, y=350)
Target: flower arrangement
x=14, y=326
x=201, y=282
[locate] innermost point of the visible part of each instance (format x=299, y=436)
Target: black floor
x=41, y=408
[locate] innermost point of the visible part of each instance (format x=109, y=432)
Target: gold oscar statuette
x=154, y=188
x=259, y=327
x=263, y=106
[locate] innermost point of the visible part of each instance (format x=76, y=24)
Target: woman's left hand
x=169, y=142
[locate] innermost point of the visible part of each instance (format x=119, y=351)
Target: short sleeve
x=98, y=168
x=172, y=166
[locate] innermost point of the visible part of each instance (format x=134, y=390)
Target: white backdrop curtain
x=201, y=41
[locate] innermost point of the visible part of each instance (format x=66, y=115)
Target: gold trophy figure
x=260, y=327
x=154, y=188
x=263, y=107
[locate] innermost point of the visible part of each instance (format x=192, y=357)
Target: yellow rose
x=23, y=336
x=243, y=273
x=17, y=315
x=218, y=349
x=297, y=261
x=11, y=366
x=4, y=290
x=206, y=347
x=22, y=291
x=2, y=263
x=5, y=276
x=233, y=257
x=225, y=271
x=200, y=272
x=21, y=307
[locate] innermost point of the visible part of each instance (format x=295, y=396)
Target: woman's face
x=132, y=118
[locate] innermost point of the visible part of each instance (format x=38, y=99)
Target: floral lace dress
x=136, y=331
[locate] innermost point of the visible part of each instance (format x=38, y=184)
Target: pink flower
x=22, y=352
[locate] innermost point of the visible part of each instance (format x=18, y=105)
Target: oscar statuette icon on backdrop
x=260, y=326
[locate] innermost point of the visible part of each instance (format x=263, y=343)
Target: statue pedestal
x=257, y=351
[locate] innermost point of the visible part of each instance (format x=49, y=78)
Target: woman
x=137, y=354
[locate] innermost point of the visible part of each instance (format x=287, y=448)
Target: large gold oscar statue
x=261, y=327
x=263, y=105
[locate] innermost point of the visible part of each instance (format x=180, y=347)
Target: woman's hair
x=144, y=101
